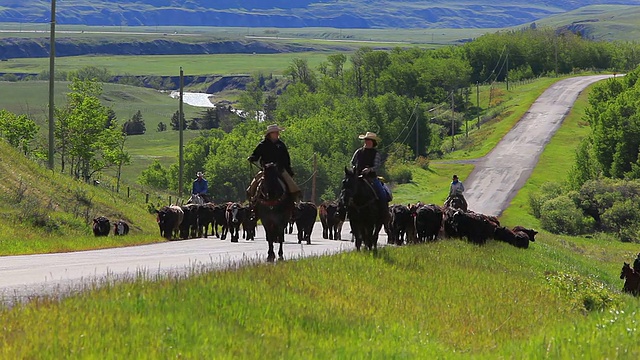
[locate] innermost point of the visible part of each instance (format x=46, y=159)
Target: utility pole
x=478, y=102
x=453, y=129
x=555, y=45
x=507, y=74
x=313, y=179
x=52, y=77
x=417, y=133
x=181, y=126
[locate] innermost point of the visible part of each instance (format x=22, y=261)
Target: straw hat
x=273, y=128
x=369, y=136
x=199, y=173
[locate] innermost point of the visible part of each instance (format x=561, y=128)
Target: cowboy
x=366, y=161
x=455, y=190
x=272, y=150
x=200, y=187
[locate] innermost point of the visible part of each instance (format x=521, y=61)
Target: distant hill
x=295, y=13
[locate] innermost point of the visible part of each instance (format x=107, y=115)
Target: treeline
x=404, y=95
x=603, y=189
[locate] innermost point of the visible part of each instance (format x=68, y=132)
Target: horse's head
x=195, y=199
x=348, y=185
x=272, y=185
x=626, y=270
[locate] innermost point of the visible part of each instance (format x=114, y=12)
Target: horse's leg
x=280, y=252
x=271, y=256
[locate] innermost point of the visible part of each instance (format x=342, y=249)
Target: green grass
x=169, y=65
x=448, y=299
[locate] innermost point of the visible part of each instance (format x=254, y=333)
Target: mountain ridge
x=296, y=13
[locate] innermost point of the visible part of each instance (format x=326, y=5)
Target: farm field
x=169, y=65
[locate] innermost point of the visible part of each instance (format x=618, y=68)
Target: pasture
x=169, y=65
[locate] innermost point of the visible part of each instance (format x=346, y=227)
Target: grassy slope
x=448, y=299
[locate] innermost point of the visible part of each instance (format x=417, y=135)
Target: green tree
x=175, y=121
x=155, y=175
x=18, y=130
x=251, y=100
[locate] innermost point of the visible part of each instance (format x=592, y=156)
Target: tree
x=155, y=175
x=162, y=127
x=209, y=120
x=18, y=130
x=175, y=122
x=251, y=100
x=299, y=71
x=90, y=144
x=135, y=126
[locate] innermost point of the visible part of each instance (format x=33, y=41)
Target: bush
x=422, y=162
x=584, y=293
x=400, y=174
x=624, y=219
x=548, y=190
x=560, y=216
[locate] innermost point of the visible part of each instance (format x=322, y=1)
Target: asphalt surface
x=490, y=187
x=498, y=176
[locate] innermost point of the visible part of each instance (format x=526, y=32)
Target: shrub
x=548, y=190
x=400, y=174
x=422, y=162
x=560, y=216
x=584, y=293
x=624, y=219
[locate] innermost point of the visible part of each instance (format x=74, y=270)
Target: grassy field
x=169, y=65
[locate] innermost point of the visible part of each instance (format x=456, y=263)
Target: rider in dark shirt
x=366, y=161
x=272, y=150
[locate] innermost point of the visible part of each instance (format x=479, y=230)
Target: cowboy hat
x=199, y=173
x=273, y=128
x=369, y=136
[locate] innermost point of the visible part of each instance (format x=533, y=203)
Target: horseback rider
x=200, y=187
x=366, y=161
x=272, y=150
x=455, y=190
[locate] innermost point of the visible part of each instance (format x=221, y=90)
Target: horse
x=632, y=280
x=358, y=198
x=196, y=199
x=274, y=206
x=455, y=202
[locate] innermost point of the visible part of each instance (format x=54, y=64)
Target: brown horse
x=632, y=280
x=273, y=207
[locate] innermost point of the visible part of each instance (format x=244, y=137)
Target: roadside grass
x=429, y=186
x=44, y=211
x=448, y=299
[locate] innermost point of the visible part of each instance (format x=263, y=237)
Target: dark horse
x=273, y=207
x=632, y=280
x=359, y=200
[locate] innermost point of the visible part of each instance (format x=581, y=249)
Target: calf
x=427, y=221
x=169, y=219
x=220, y=219
x=189, y=225
x=331, y=220
x=250, y=223
x=399, y=220
x=530, y=232
x=205, y=217
x=518, y=239
x=120, y=228
x=101, y=226
x=235, y=216
x=305, y=214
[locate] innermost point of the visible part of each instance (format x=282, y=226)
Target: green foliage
x=623, y=218
x=90, y=73
x=18, y=130
x=560, y=215
x=583, y=293
x=155, y=175
x=135, y=126
x=400, y=174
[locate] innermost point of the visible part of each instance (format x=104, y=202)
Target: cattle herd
x=406, y=224
x=427, y=222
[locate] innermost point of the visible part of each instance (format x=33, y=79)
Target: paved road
x=23, y=276
x=491, y=186
x=498, y=176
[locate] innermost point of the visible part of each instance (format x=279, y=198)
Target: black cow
x=331, y=220
x=427, y=220
x=169, y=219
x=120, y=227
x=518, y=239
x=235, y=214
x=101, y=226
x=399, y=221
x=530, y=232
x=220, y=219
x=189, y=225
x=250, y=223
x=304, y=214
x=477, y=228
x=206, y=215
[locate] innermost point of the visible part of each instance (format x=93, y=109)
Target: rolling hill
x=296, y=13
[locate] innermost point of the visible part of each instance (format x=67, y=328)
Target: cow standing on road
x=304, y=214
